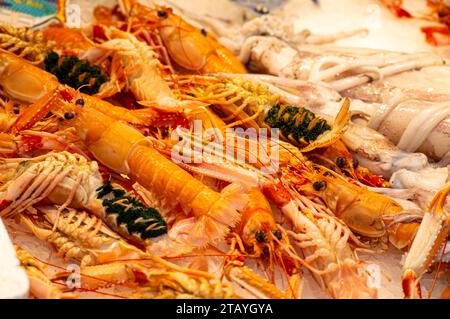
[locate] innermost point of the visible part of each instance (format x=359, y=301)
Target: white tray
x=13, y=280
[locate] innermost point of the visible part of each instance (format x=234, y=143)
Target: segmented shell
x=24, y=42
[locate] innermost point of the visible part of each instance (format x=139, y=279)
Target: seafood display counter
x=225, y=149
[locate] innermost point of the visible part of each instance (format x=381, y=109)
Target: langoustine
x=16, y=73
x=190, y=48
x=260, y=235
x=148, y=276
x=134, y=65
x=249, y=103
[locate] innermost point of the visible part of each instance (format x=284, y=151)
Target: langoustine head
x=191, y=48
x=362, y=210
x=258, y=225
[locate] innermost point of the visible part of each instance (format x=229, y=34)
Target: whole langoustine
x=135, y=68
x=191, y=48
x=249, y=103
x=365, y=212
x=124, y=149
x=22, y=81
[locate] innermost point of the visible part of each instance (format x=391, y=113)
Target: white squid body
x=407, y=171
x=414, y=110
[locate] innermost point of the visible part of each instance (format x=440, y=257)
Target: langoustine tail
x=348, y=284
x=223, y=215
x=198, y=231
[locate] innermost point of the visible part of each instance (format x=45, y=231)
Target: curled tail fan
x=223, y=215
x=350, y=285
x=186, y=235
x=339, y=126
x=178, y=241
x=167, y=247
x=233, y=198
x=207, y=230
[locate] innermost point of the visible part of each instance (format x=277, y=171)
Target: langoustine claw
x=432, y=233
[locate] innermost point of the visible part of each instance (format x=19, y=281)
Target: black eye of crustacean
x=341, y=162
x=277, y=234
x=79, y=102
x=320, y=185
x=162, y=14
x=69, y=115
x=260, y=236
